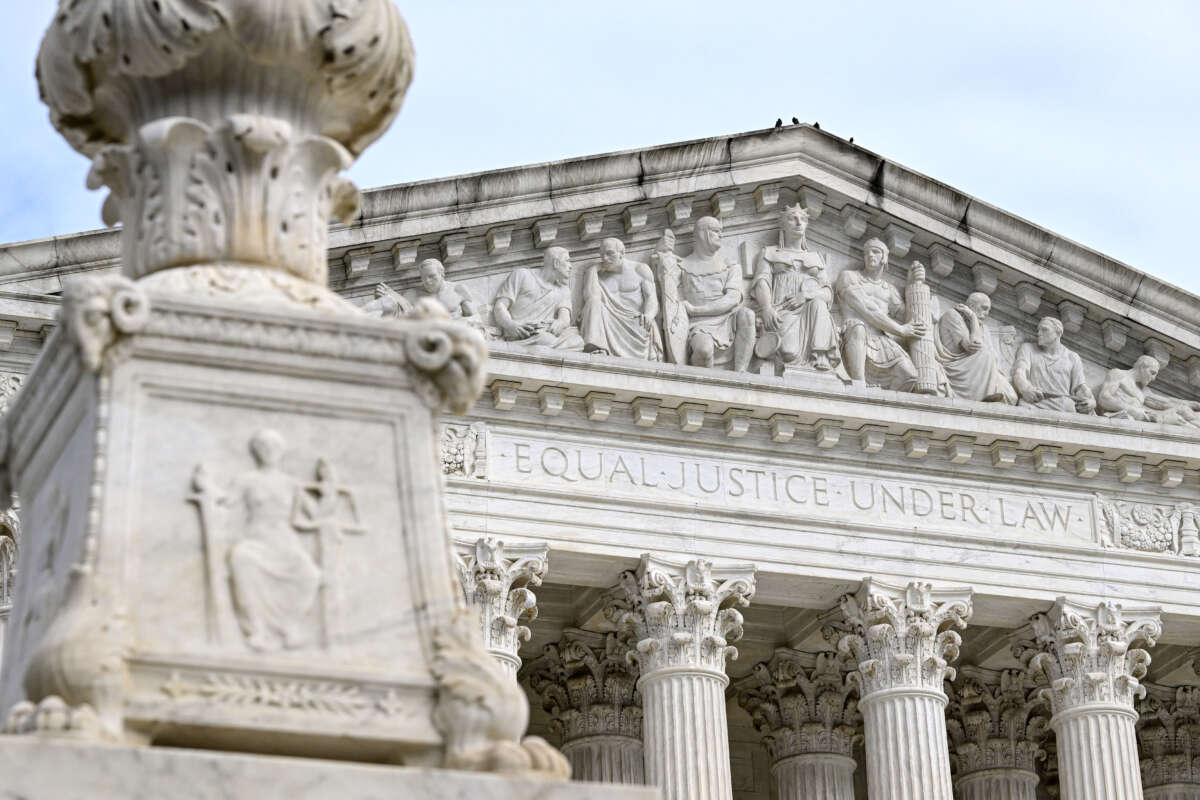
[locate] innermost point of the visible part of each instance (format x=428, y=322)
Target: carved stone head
x=875, y=255
x=979, y=303
x=433, y=275
x=267, y=447
x=556, y=265
x=612, y=254
x=1145, y=370
x=793, y=222
x=1049, y=332
x=708, y=236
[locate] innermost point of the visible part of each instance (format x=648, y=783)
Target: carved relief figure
x=720, y=326
x=534, y=307
x=674, y=318
x=965, y=350
x=454, y=297
x=871, y=331
x=387, y=303
x=1125, y=394
x=793, y=294
x=252, y=546
x=620, y=306
x=1048, y=375
x=327, y=509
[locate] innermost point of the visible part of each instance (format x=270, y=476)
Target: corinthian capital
x=1168, y=731
x=1084, y=652
x=682, y=615
x=588, y=684
x=220, y=126
x=901, y=637
x=496, y=579
x=802, y=703
x=996, y=719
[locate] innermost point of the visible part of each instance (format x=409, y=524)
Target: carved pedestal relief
x=256, y=560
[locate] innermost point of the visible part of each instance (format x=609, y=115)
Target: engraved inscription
x=816, y=493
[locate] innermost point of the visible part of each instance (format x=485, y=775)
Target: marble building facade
x=798, y=474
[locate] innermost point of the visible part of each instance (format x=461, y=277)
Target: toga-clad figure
x=793, y=294
x=1048, y=375
x=533, y=307
x=720, y=326
x=871, y=331
x=1125, y=394
x=966, y=354
x=620, y=307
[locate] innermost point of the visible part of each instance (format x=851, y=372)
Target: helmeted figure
x=720, y=325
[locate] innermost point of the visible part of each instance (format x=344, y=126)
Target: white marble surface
x=38, y=770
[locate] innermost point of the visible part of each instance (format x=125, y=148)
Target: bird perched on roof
x=851, y=140
x=817, y=125
x=795, y=121
x=779, y=123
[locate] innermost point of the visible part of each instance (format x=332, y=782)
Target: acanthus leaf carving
x=996, y=719
x=1168, y=732
x=681, y=615
x=802, y=703
x=496, y=580
x=1084, y=654
x=901, y=636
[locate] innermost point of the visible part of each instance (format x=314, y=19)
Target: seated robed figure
x=720, y=325
x=966, y=354
x=1048, y=375
x=533, y=307
x=620, y=306
x=793, y=294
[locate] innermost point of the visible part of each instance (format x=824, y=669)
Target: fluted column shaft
x=908, y=756
x=606, y=759
x=686, y=733
x=997, y=784
x=815, y=776
x=1097, y=753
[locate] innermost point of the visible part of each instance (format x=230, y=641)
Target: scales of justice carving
x=257, y=566
x=782, y=313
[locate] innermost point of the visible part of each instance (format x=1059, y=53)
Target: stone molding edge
x=1071, y=437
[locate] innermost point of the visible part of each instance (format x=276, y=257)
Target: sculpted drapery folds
x=1048, y=375
x=533, y=307
x=620, y=307
x=1125, y=394
x=720, y=325
x=872, y=335
x=964, y=349
x=454, y=297
x=793, y=294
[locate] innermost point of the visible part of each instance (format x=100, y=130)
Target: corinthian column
x=1168, y=731
x=683, y=617
x=805, y=709
x=899, y=639
x=996, y=721
x=1082, y=653
x=496, y=579
x=588, y=684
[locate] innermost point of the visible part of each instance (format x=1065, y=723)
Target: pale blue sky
x=1080, y=116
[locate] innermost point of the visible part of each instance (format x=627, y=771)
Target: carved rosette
x=220, y=126
x=588, y=685
x=802, y=703
x=901, y=637
x=682, y=616
x=1168, y=732
x=1083, y=654
x=496, y=579
x=996, y=721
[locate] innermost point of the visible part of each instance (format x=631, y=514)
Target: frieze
x=817, y=493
